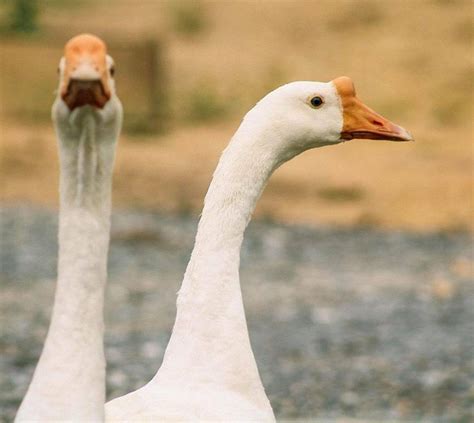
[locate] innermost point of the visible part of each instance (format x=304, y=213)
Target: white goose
x=209, y=371
x=69, y=380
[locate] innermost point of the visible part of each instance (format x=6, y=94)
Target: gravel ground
x=355, y=323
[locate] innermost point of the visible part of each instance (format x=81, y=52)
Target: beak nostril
x=377, y=122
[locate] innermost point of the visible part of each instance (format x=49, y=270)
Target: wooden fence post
x=158, y=86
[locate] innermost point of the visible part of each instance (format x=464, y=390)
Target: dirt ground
x=358, y=183
x=374, y=325
x=409, y=62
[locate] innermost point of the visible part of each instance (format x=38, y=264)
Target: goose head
x=306, y=114
x=86, y=73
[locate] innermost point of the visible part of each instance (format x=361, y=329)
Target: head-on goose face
x=313, y=114
x=86, y=73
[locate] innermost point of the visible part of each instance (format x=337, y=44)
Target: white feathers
x=69, y=380
x=209, y=371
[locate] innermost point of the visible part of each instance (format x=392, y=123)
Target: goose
x=209, y=370
x=69, y=380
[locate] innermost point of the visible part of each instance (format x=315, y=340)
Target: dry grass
x=409, y=62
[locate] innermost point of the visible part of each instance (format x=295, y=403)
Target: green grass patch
x=203, y=104
x=188, y=17
x=341, y=194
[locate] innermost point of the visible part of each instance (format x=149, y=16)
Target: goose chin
x=401, y=136
x=85, y=93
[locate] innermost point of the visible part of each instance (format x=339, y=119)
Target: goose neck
x=237, y=184
x=210, y=341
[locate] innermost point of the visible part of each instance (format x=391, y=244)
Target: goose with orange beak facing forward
x=209, y=372
x=69, y=381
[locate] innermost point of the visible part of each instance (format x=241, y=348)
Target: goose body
x=209, y=371
x=69, y=380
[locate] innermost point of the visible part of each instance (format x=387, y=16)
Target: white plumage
x=69, y=380
x=209, y=371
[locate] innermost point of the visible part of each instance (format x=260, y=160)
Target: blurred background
x=357, y=273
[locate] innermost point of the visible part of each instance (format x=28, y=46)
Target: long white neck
x=69, y=381
x=210, y=341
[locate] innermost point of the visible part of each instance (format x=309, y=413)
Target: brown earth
x=409, y=60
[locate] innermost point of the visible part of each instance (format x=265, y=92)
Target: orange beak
x=85, y=80
x=362, y=122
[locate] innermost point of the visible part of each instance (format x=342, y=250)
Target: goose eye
x=112, y=71
x=317, y=102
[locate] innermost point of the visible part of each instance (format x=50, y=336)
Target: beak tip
x=408, y=136
x=401, y=134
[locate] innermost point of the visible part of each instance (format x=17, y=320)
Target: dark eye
x=112, y=71
x=317, y=102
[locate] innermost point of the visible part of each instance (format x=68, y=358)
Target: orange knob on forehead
x=345, y=86
x=85, y=47
x=85, y=43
